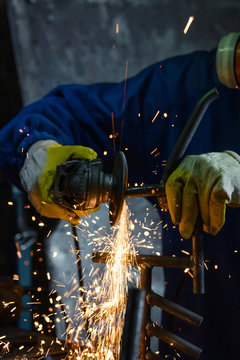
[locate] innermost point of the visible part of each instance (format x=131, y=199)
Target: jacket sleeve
x=49, y=118
x=80, y=114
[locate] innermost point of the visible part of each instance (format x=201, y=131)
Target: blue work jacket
x=144, y=117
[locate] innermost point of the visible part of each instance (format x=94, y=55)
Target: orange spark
x=105, y=304
x=19, y=255
x=114, y=137
x=155, y=116
x=190, y=20
x=154, y=151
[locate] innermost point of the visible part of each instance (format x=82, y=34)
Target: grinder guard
x=120, y=172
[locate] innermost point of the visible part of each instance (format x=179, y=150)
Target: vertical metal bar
x=133, y=325
x=188, y=132
x=198, y=259
x=80, y=276
x=145, y=284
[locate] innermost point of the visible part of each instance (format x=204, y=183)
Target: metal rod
x=174, y=309
x=146, y=190
x=145, y=284
x=188, y=132
x=178, y=150
x=149, y=260
x=198, y=259
x=152, y=356
x=173, y=340
x=79, y=263
x=133, y=324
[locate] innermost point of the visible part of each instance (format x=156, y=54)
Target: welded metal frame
x=146, y=263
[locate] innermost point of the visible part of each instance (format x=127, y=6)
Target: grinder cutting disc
x=120, y=175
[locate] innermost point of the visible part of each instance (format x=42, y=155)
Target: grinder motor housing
x=83, y=185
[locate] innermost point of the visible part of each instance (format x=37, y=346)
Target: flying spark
x=190, y=20
x=157, y=113
x=105, y=305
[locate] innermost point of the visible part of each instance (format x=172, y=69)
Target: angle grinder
x=83, y=185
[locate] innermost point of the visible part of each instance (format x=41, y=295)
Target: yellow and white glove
x=203, y=184
x=38, y=173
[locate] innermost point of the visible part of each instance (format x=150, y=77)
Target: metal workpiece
x=117, y=191
x=174, y=309
x=148, y=260
x=146, y=190
x=157, y=190
x=177, y=153
x=145, y=284
x=146, y=264
x=198, y=259
x=133, y=324
x=80, y=277
x=173, y=340
x=164, y=261
x=188, y=132
x=151, y=356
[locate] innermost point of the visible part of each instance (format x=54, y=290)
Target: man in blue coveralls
x=75, y=121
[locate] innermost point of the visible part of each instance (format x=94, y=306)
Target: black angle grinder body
x=83, y=185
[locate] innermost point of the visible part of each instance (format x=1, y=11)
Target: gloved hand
x=206, y=184
x=38, y=173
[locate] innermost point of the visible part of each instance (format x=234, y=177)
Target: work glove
x=203, y=185
x=38, y=173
